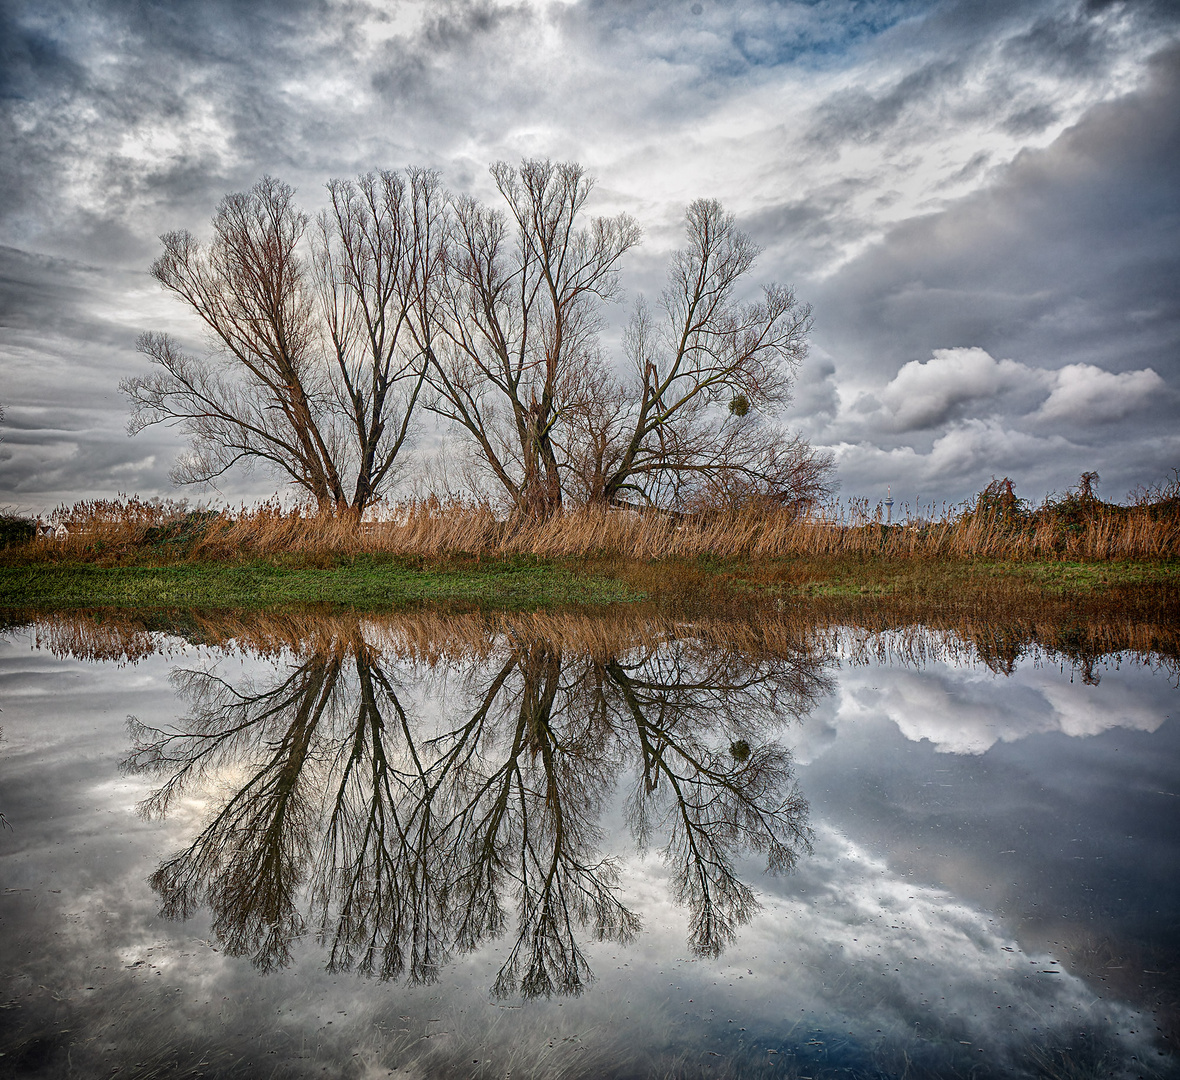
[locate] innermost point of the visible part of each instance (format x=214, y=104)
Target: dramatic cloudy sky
x=980, y=198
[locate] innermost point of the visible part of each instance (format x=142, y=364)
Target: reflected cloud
x=912, y=960
x=494, y=801
x=967, y=712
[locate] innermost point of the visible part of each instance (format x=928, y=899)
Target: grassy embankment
x=997, y=551
x=364, y=582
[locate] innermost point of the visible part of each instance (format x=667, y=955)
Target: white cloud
x=944, y=426
x=1086, y=394
x=926, y=394
x=923, y=395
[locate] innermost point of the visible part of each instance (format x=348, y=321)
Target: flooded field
x=576, y=846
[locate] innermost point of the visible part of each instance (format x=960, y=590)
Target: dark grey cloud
x=31, y=60
x=727, y=38
x=1030, y=120
x=414, y=67
x=121, y=113
x=1108, y=186
x=858, y=116
x=67, y=337
x=1066, y=41
x=1165, y=10
x=835, y=130
x=1068, y=264
x=812, y=230
x=51, y=293
x=973, y=167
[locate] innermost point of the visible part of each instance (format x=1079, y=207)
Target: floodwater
x=567, y=846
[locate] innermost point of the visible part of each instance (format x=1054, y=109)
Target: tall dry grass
x=1074, y=526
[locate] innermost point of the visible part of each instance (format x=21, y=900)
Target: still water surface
x=557, y=847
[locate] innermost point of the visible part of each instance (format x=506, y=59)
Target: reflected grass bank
x=834, y=633
x=998, y=634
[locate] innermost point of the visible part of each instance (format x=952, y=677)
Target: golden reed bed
x=1071, y=527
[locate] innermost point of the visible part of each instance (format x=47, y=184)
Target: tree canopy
x=327, y=336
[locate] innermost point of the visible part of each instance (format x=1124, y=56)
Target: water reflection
x=989, y=895
x=405, y=814
x=990, y=892
x=906, y=638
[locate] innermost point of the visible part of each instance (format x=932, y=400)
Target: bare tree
x=324, y=336
x=520, y=318
x=313, y=368
x=522, y=371
x=685, y=426
x=376, y=252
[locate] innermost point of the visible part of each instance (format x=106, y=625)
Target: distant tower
x=889, y=505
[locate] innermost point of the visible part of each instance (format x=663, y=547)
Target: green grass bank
x=362, y=584
x=513, y=583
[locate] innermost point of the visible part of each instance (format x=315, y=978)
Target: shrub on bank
x=16, y=530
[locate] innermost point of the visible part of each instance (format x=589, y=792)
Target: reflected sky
x=976, y=871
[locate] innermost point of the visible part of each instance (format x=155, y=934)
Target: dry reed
x=1070, y=528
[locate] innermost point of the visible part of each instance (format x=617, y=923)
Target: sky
x=979, y=199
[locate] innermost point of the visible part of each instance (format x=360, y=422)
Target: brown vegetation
x=835, y=632
x=996, y=524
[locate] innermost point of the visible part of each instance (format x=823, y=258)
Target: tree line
x=328, y=335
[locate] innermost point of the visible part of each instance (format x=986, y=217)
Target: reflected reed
x=903, y=636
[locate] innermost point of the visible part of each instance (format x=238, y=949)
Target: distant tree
x=314, y=367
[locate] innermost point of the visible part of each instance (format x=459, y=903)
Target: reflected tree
x=703, y=785
x=250, y=861
x=404, y=840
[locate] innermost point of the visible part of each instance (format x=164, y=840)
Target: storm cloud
x=979, y=199
x=1065, y=270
